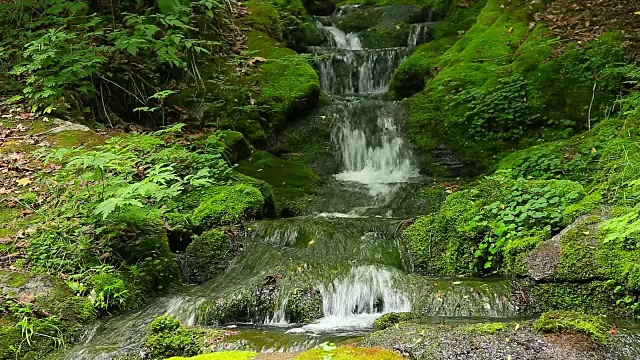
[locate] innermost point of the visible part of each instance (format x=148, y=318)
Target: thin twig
x=593, y=97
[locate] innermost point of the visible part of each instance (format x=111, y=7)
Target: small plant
x=327, y=350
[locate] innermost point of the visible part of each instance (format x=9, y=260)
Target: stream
x=347, y=249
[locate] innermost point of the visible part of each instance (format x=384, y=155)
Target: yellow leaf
x=637, y=12
x=24, y=182
x=456, y=282
x=517, y=327
x=312, y=242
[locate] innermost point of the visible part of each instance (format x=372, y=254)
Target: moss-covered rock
x=236, y=145
x=288, y=84
x=264, y=17
x=391, y=319
x=350, y=353
x=563, y=321
x=167, y=337
x=209, y=254
x=292, y=182
x=138, y=238
x=497, y=213
x=228, y=205
x=222, y=355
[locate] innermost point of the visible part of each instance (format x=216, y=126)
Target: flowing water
x=346, y=250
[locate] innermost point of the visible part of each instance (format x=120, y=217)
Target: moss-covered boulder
x=391, y=319
x=292, y=182
x=42, y=304
x=138, y=238
x=225, y=205
x=289, y=86
x=209, y=254
x=236, y=145
x=490, y=225
x=167, y=337
x=557, y=322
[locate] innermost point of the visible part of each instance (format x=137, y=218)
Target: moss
x=487, y=328
x=138, y=238
x=350, y=353
x=356, y=21
x=208, y=255
x=578, y=254
x=304, y=306
x=382, y=37
x=516, y=251
x=292, y=182
x=222, y=355
x=288, y=84
x=247, y=304
x=263, y=16
x=500, y=46
x=72, y=138
x=236, y=145
x=391, y=319
x=167, y=337
x=563, y=321
x=228, y=205
x=595, y=297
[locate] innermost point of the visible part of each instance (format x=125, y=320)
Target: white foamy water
x=373, y=155
x=358, y=299
x=340, y=40
x=419, y=34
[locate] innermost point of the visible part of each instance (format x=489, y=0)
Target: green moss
x=263, y=16
x=304, y=306
x=236, y=145
x=563, y=321
x=595, y=297
x=382, y=37
x=391, y=319
x=288, y=84
x=71, y=138
x=292, y=182
x=167, y=337
x=487, y=328
x=578, y=254
x=350, y=353
x=222, y=355
x=356, y=21
x=138, y=238
x=452, y=240
x=228, y=205
x=208, y=255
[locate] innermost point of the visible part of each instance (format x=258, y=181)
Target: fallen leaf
x=613, y=331
x=24, y=181
x=457, y=282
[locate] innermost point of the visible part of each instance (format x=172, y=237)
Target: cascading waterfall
x=350, y=234
x=420, y=34
x=356, y=300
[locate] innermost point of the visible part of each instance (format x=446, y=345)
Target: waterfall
x=338, y=39
x=367, y=71
x=420, y=34
x=370, y=145
x=356, y=300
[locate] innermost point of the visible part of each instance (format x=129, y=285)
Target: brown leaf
x=26, y=298
x=24, y=181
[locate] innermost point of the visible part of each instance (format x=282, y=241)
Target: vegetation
x=592, y=326
x=139, y=138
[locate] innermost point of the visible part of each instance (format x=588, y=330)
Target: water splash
x=368, y=139
x=356, y=300
x=338, y=39
x=420, y=34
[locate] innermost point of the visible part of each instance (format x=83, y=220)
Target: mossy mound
x=167, y=337
x=490, y=225
x=222, y=355
x=292, y=182
x=391, y=319
x=43, y=304
x=209, y=254
x=288, y=84
x=499, y=85
x=236, y=145
x=555, y=322
x=350, y=353
x=228, y=205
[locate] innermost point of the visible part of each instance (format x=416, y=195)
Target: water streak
x=356, y=300
x=420, y=34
